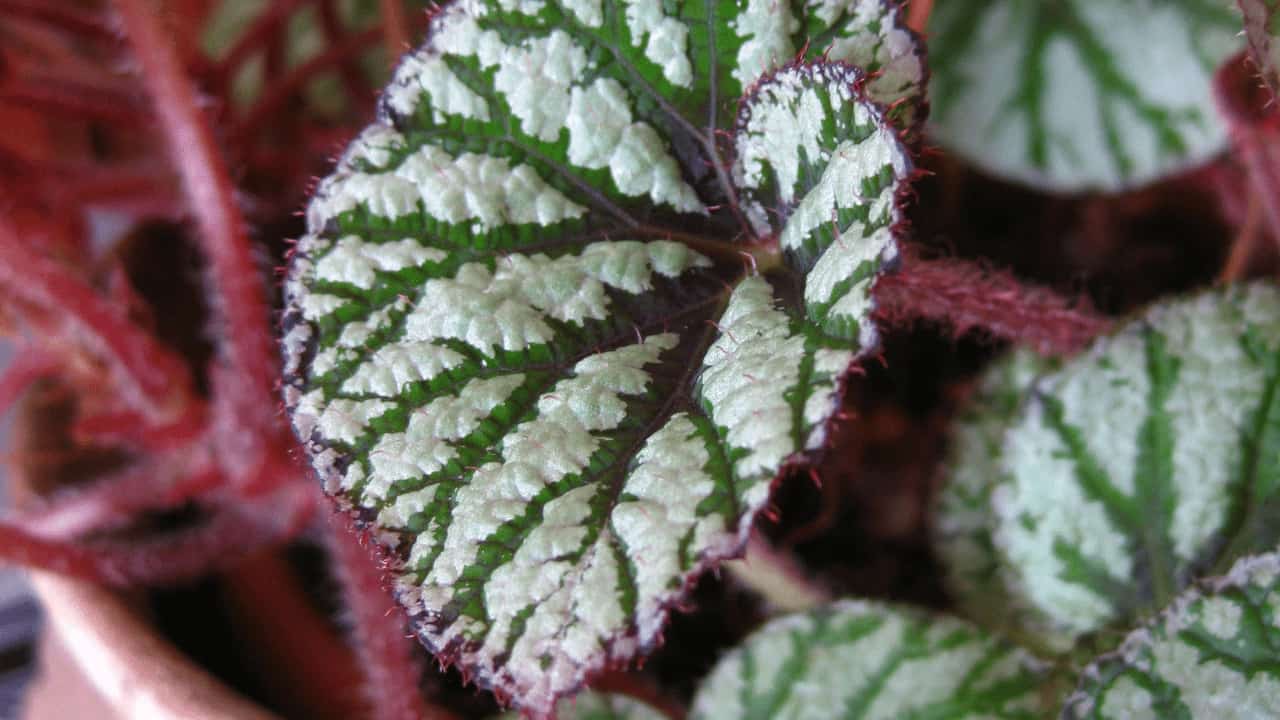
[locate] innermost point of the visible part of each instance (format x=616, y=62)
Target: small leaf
x=1078, y=94
x=1152, y=457
x=1261, y=27
x=533, y=336
x=962, y=530
x=1210, y=656
x=854, y=659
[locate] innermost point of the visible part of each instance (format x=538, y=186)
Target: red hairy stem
x=388, y=656
x=352, y=79
x=155, y=379
x=918, y=13
x=56, y=14
x=28, y=366
x=245, y=420
x=296, y=652
x=1253, y=121
x=776, y=576
x=227, y=535
x=969, y=296
x=115, y=501
x=75, y=100
x=395, y=28
x=1246, y=241
x=620, y=682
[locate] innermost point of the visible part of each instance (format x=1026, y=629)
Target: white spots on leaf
x=393, y=367
x=536, y=78
x=668, y=482
x=1127, y=699
x=588, y=12
x=399, y=512
x=603, y=135
x=422, y=73
x=346, y=421
x=1198, y=677
x=318, y=305
x=1221, y=617
x=538, y=452
x=1216, y=385
x=425, y=445
x=785, y=128
x=768, y=26
x=354, y=261
x=542, y=81
x=668, y=40
x=788, y=131
x=375, y=146
x=747, y=373
x=872, y=660
x=1107, y=97
x=872, y=36
x=507, y=308
x=481, y=188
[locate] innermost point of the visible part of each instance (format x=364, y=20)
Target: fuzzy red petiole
x=57, y=14
x=226, y=536
x=395, y=28
x=967, y=296
x=1253, y=121
x=392, y=667
x=117, y=500
x=245, y=422
x=28, y=366
x=155, y=379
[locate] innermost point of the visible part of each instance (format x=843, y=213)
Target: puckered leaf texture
x=564, y=314
x=1211, y=654
x=1149, y=460
x=1073, y=95
x=855, y=659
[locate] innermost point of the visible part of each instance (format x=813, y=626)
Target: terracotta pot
x=100, y=658
x=100, y=655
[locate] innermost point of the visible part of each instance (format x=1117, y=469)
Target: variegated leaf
x=1213, y=655
x=533, y=336
x=963, y=515
x=1079, y=94
x=1151, y=458
x=854, y=659
x=1261, y=27
x=592, y=705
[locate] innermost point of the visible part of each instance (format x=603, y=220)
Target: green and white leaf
x=532, y=336
x=1212, y=655
x=855, y=659
x=1262, y=31
x=1149, y=459
x=962, y=530
x=591, y=705
x=1074, y=95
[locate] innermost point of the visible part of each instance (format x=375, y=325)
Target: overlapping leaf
x=1147, y=461
x=876, y=662
x=552, y=344
x=1078, y=94
x=1212, y=654
x=962, y=526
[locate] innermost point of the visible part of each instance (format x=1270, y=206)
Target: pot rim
x=139, y=673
